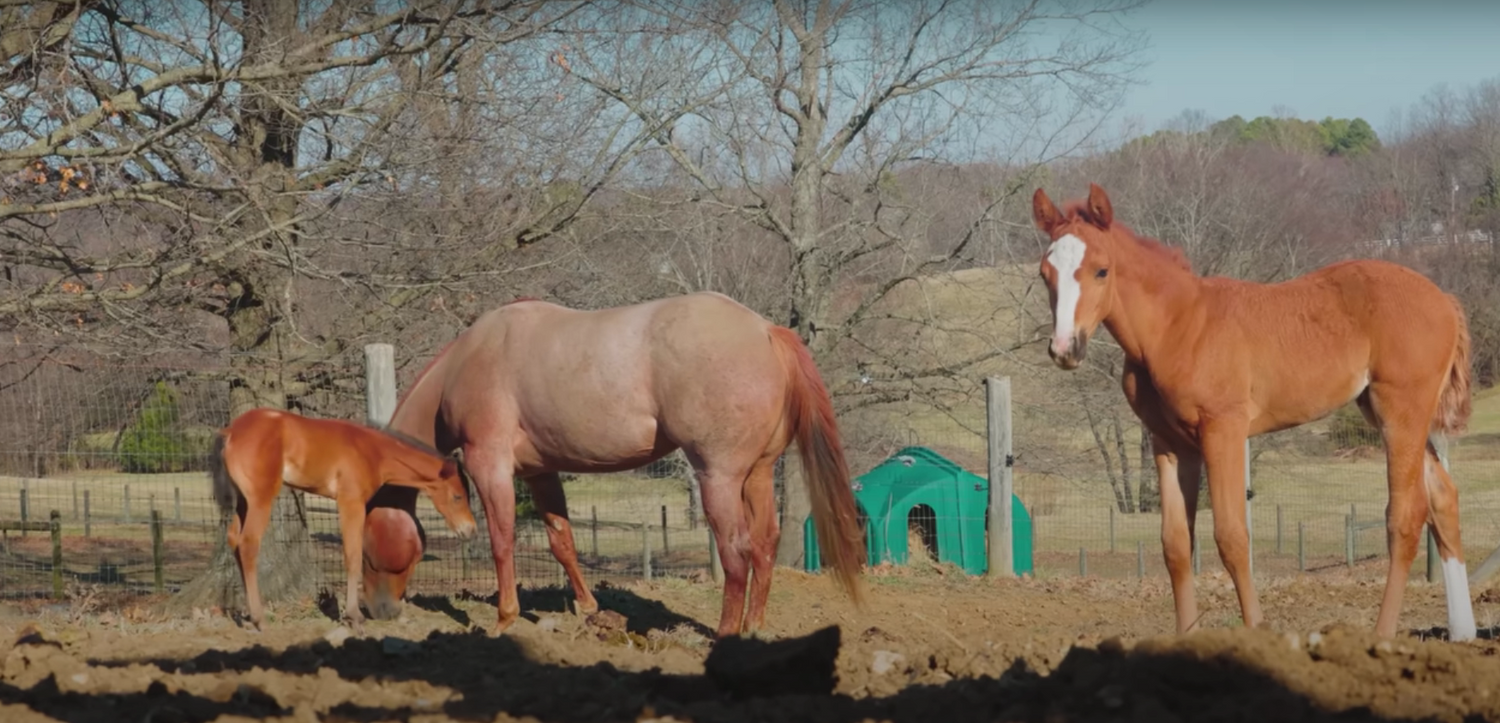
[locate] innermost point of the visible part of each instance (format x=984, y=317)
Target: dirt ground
x=929, y=645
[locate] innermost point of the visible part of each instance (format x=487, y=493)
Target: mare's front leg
x=1224, y=454
x=351, y=527
x=552, y=501
x=493, y=471
x=1178, y=474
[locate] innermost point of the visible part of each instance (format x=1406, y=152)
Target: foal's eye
x=1101, y=273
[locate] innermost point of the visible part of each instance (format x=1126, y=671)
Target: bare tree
x=798, y=115
x=218, y=176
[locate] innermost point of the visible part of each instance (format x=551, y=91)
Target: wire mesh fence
x=1317, y=498
x=117, y=449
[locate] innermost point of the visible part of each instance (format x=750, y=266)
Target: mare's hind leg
x=493, y=471
x=723, y=493
x=547, y=492
x=765, y=530
x=1403, y=421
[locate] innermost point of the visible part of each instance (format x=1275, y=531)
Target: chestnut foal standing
x=1212, y=361
x=346, y=462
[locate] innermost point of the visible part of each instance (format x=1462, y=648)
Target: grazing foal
x=1212, y=361
x=346, y=462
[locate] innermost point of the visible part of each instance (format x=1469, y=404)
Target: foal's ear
x=1044, y=212
x=1099, y=207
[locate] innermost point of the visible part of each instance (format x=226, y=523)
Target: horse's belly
x=600, y=444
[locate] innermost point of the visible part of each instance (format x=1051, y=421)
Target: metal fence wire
x=117, y=449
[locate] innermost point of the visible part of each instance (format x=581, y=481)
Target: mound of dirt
x=925, y=650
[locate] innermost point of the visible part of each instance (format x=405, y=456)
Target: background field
x=1307, y=483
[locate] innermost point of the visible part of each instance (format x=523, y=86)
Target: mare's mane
x=1079, y=211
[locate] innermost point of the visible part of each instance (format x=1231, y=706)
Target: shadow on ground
x=754, y=680
x=642, y=614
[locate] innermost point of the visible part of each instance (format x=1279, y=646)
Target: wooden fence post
x=1349, y=540
x=998, y=431
x=715, y=565
x=57, y=564
x=1301, y=548
x=646, y=550
x=380, y=383
x=1249, y=527
x=157, y=563
x=88, y=518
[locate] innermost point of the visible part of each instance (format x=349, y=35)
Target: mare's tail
x=810, y=417
x=226, y=494
x=1454, y=403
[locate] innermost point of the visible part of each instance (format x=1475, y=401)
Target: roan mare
x=532, y=389
x=1212, y=361
x=346, y=462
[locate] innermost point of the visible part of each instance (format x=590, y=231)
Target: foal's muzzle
x=1071, y=354
x=466, y=530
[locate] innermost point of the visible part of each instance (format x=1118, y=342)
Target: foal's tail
x=1454, y=404
x=226, y=494
x=810, y=417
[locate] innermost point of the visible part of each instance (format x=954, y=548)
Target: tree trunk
x=1126, y=485
x=811, y=277
x=285, y=558
x=265, y=149
x=1115, y=483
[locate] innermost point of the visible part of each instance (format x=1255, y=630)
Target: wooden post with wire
x=1001, y=526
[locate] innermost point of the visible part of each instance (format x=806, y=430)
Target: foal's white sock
x=1461, y=625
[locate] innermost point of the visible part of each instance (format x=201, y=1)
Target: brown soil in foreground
x=928, y=647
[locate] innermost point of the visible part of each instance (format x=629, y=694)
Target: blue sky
x=1317, y=58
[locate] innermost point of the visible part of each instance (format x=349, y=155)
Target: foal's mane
x=1079, y=211
x=406, y=439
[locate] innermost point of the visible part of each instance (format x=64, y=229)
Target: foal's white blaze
x=1066, y=255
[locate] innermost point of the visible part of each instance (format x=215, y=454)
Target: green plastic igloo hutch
x=949, y=504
